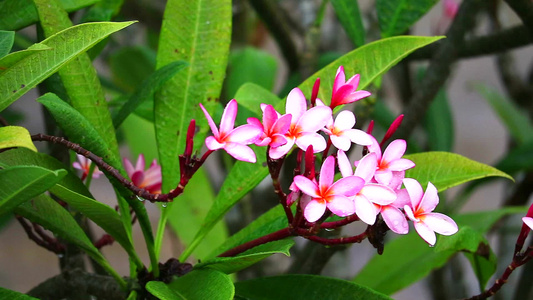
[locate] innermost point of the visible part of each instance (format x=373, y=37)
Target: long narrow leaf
x=396, y=16
x=65, y=45
x=6, y=42
x=350, y=17
x=198, y=32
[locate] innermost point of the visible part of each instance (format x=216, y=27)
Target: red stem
x=275, y=236
x=336, y=224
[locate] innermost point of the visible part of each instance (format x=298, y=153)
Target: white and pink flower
x=149, y=179
x=84, y=164
x=345, y=92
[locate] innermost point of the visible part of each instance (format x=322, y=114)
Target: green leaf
x=6, y=42
x=252, y=256
x=12, y=295
x=439, y=123
x=396, y=16
x=101, y=214
x=9, y=60
x=80, y=131
x=66, y=45
x=15, y=136
x=187, y=213
x=269, y=222
x=514, y=118
x=162, y=291
x=250, y=65
x=198, y=32
x=78, y=76
x=518, y=159
x=17, y=14
x=147, y=90
x=204, y=284
x=52, y=216
x=304, y=287
x=243, y=177
x=350, y=17
x=446, y=170
x=102, y=11
x=408, y=258
x=20, y=183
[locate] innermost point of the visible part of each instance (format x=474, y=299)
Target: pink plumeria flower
x=373, y=198
x=274, y=127
x=304, y=125
x=84, y=164
x=344, y=92
x=420, y=212
x=149, y=180
x=391, y=161
x=528, y=221
x=233, y=140
x=450, y=8
x=327, y=194
x=342, y=133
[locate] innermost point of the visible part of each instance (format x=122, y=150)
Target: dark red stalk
x=336, y=224
x=339, y=241
x=275, y=236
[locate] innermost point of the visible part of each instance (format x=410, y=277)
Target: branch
x=439, y=68
x=73, y=283
x=524, y=10
x=506, y=39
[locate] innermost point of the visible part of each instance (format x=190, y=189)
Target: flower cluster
x=375, y=186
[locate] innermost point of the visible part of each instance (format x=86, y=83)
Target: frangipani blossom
x=274, y=127
x=84, y=164
x=304, y=125
x=373, y=198
x=391, y=161
x=233, y=140
x=149, y=180
x=450, y=8
x=420, y=212
x=327, y=194
x=342, y=133
x=344, y=92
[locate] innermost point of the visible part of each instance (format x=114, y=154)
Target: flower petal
x=378, y=193
x=340, y=79
x=212, y=143
x=358, y=137
x=311, y=138
x=327, y=172
x=240, y=152
x=528, y=221
x=244, y=134
x=366, y=168
x=307, y=186
x=345, y=120
x=296, y=104
x=139, y=166
x=401, y=164
x=394, y=151
x=395, y=219
x=278, y=152
x=415, y=191
x=341, y=206
x=425, y=233
x=210, y=121
x=430, y=199
x=347, y=186
x=365, y=210
x=341, y=142
x=128, y=166
x=228, y=117
x=440, y=223
x=344, y=164
x=313, y=210
x=314, y=119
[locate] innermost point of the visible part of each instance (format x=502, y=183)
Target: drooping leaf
x=512, y=117
x=6, y=42
x=17, y=14
x=250, y=65
x=350, y=17
x=243, y=177
x=130, y=66
x=396, y=16
x=19, y=184
x=162, y=291
x=80, y=131
x=65, y=45
x=48, y=213
x=203, y=284
x=303, y=287
x=446, y=170
x=12, y=295
x=271, y=221
x=147, y=90
x=252, y=256
x=186, y=214
x=7, y=61
x=15, y=136
x=408, y=258
x=439, y=124
x=79, y=77
x=198, y=32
